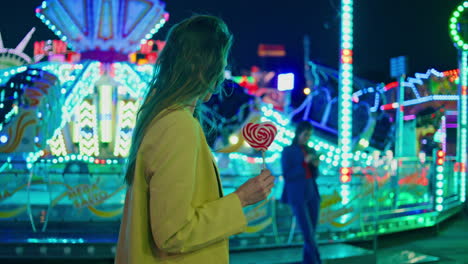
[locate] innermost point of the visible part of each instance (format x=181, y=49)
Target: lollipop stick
x=264, y=164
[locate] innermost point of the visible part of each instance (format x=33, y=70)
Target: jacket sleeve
x=177, y=226
x=292, y=165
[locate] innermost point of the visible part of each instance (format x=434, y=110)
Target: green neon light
x=239, y=79
x=439, y=188
x=462, y=45
x=462, y=127
x=346, y=83
x=79, y=157
x=454, y=33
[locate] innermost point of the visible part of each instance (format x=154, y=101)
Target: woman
x=175, y=210
x=300, y=170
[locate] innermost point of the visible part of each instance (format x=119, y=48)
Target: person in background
x=300, y=170
x=175, y=210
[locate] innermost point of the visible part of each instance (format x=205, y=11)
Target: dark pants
x=307, y=214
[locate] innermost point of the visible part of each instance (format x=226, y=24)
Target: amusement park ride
x=67, y=116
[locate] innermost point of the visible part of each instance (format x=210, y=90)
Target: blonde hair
x=190, y=66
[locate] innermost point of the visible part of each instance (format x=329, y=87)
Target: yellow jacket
x=174, y=210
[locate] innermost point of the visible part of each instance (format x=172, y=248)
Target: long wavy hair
x=190, y=66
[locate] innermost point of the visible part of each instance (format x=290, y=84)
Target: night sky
x=383, y=29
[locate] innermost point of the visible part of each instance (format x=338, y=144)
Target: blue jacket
x=297, y=188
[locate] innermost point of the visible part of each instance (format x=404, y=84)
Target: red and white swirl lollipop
x=260, y=136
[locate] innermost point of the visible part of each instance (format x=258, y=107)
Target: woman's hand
x=256, y=189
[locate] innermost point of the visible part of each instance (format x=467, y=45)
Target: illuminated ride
x=66, y=126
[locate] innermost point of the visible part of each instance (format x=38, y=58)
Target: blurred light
x=233, y=139
x=345, y=178
x=345, y=170
x=3, y=139
x=363, y=142
x=440, y=154
x=285, y=81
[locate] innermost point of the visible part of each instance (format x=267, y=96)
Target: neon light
x=410, y=83
x=105, y=113
x=89, y=142
x=57, y=145
x=89, y=74
x=346, y=83
x=452, y=74
x=462, y=122
x=60, y=106
x=440, y=156
x=443, y=132
x=399, y=115
x=75, y=126
x=3, y=139
x=127, y=112
x=345, y=193
x=136, y=83
x=285, y=82
x=421, y=100
x=445, y=97
x=460, y=43
x=390, y=86
x=76, y=19
x=79, y=157
x=387, y=107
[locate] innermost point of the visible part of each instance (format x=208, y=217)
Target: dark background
x=382, y=29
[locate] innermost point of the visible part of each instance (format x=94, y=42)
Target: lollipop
x=259, y=136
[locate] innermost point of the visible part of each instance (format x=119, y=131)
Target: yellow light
x=89, y=141
x=105, y=113
x=307, y=91
x=363, y=142
x=75, y=124
x=57, y=145
x=345, y=178
x=233, y=139
x=126, y=121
